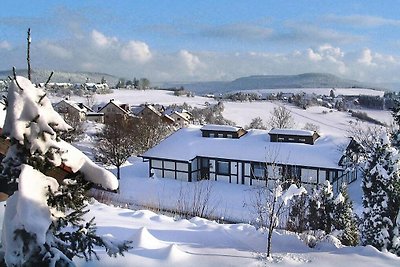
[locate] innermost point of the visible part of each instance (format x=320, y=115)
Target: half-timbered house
x=253, y=157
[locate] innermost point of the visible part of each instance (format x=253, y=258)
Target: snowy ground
x=241, y=113
x=323, y=91
x=137, y=97
x=159, y=240
x=230, y=202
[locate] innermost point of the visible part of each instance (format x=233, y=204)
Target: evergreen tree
x=328, y=206
x=298, y=215
x=396, y=117
x=381, y=199
x=43, y=223
x=344, y=220
x=320, y=208
x=315, y=211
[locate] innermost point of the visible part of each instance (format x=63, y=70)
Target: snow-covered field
x=323, y=91
x=241, y=113
x=136, y=97
x=159, y=240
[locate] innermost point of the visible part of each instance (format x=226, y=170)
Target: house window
x=258, y=171
x=220, y=135
x=170, y=165
x=302, y=140
x=223, y=167
x=291, y=139
x=281, y=139
x=229, y=136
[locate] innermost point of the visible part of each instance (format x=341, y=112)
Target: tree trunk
x=118, y=172
x=269, y=241
x=28, y=53
x=271, y=227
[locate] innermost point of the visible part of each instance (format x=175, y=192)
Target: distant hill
x=306, y=80
x=39, y=76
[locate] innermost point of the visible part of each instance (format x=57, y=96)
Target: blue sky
x=205, y=40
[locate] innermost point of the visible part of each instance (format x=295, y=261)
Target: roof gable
x=113, y=104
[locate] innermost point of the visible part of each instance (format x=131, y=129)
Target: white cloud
x=327, y=54
x=312, y=34
x=101, y=40
x=362, y=20
x=239, y=31
x=366, y=57
x=313, y=56
x=135, y=57
x=5, y=45
x=190, y=60
x=56, y=50
x=136, y=51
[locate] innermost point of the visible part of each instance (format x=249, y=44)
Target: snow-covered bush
x=321, y=212
x=43, y=223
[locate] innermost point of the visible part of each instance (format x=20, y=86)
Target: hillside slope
x=39, y=76
x=306, y=80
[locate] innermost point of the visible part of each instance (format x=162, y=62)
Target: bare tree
x=115, y=143
x=90, y=100
x=149, y=131
x=365, y=135
x=144, y=83
x=256, y=123
x=74, y=120
x=270, y=202
x=281, y=118
x=195, y=200
x=311, y=127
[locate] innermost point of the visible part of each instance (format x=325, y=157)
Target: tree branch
x=48, y=80
x=15, y=79
x=28, y=53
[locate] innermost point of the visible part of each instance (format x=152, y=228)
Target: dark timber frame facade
x=246, y=172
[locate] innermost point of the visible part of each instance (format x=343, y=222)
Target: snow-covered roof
x=153, y=109
x=116, y=103
x=169, y=111
x=78, y=106
x=291, y=132
x=220, y=128
x=137, y=109
x=188, y=143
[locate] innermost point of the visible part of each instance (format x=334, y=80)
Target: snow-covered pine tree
x=396, y=117
x=298, y=215
x=344, y=221
x=328, y=204
x=43, y=223
x=381, y=199
x=315, y=211
x=320, y=208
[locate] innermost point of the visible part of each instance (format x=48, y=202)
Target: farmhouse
x=181, y=117
x=71, y=108
x=114, y=110
x=253, y=157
